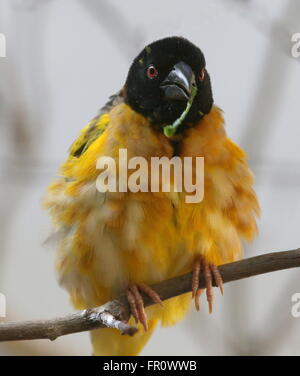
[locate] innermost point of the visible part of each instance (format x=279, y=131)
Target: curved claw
x=136, y=302
x=211, y=272
x=132, y=304
x=151, y=293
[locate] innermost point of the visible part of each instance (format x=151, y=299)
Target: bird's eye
x=202, y=74
x=152, y=72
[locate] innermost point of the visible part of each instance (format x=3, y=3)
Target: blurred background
x=64, y=58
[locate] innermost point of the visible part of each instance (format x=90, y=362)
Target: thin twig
x=114, y=314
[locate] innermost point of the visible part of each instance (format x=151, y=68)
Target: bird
x=122, y=242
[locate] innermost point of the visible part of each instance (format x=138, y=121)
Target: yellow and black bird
x=122, y=242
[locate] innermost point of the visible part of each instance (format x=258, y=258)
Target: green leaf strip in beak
x=170, y=130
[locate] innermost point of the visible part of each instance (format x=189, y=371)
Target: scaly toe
x=218, y=278
x=211, y=272
x=151, y=293
x=136, y=302
x=140, y=306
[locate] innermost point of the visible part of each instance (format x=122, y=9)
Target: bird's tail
x=110, y=342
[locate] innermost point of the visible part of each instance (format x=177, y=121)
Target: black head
x=160, y=79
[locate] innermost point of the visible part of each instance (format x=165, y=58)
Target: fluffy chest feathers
x=228, y=211
x=112, y=239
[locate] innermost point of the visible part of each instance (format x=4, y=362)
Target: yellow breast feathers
x=115, y=238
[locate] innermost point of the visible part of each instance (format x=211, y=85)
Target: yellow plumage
x=110, y=240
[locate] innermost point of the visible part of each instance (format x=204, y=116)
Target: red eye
x=202, y=74
x=152, y=72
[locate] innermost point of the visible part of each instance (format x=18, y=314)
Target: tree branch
x=114, y=314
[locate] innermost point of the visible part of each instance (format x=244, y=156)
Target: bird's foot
x=136, y=302
x=210, y=271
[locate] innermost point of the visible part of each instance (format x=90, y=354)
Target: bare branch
x=114, y=314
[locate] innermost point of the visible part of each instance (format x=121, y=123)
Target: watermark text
x=2, y=45
x=160, y=174
x=2, y=305
x=295, y=51
x=295, y=311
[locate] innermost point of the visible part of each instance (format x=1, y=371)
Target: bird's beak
x=178, y=84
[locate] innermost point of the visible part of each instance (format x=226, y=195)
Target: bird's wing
x=95, y=127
